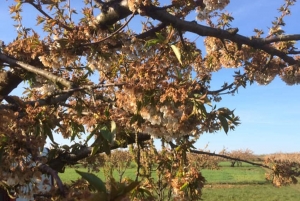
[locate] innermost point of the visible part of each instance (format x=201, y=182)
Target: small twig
x=220, y=90
x=267, y=64
x=228, y=157
x=87, y=87
x=48, y=16
x=111, y=35
x=295, y=37
x=151, y=32
x=173, y=146
x=293, y=52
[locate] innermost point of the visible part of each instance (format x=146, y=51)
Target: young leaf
x=176, y=50
x=224, y=123
x=93, y=180
x=113, y=130
x=106, y=134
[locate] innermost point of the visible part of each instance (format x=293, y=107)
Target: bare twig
x=228, y=157
x=173, y=146
x=48, y=16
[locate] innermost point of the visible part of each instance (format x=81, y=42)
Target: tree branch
x=70, y=158
x=228, y=157
x=201, y=30
x=85, y=87
x=273, y=39
x=48, y=16
x=35, y=70
x=42, y=102
x=151, y=32
x=46, y=169
x=9, y=80
x=111, y=35
x=173, y=146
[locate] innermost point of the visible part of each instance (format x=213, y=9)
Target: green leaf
x=131, y=186
x=97, y=145
x=152, y=42
x=92, y=133
x=95, y=149
x=93, y=180
x=224, y=123
x=106, y=112
x=47, y=130
x=18, y=6
x=1, y=154
x=179, y=74
x=176, y=50
x=106, y=147
x=160, y=37
x=106, y=134
x=113, y=129
x=184, y=186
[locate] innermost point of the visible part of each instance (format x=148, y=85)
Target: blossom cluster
x=291, y=75
x=210, y=6
x=161, y=120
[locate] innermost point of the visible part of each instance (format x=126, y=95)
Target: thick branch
x=72, y=158
x=35, y=70
x=9, y=80
x=42, y=102
x=89, y=87
x=201, y=30
x=294, y=37
x=46, y=169
x=112, y=11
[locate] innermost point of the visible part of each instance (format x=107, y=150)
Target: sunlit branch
x=230, y=158
x=173, y=146
x=294, y=37
x=35, y=70
x=87, y=87
x=59, y=97
x=202, y=30
x=70, y=158
x=41, y=102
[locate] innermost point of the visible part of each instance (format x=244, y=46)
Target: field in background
x=226, y=184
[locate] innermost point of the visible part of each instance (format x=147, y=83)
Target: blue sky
x=269, y=114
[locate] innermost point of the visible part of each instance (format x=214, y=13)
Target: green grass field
x=245, y=183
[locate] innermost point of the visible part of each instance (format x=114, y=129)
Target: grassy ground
x=252, y=192
x=227, y=184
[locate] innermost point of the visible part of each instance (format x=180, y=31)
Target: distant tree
x=246, y=154
x=94, y=75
